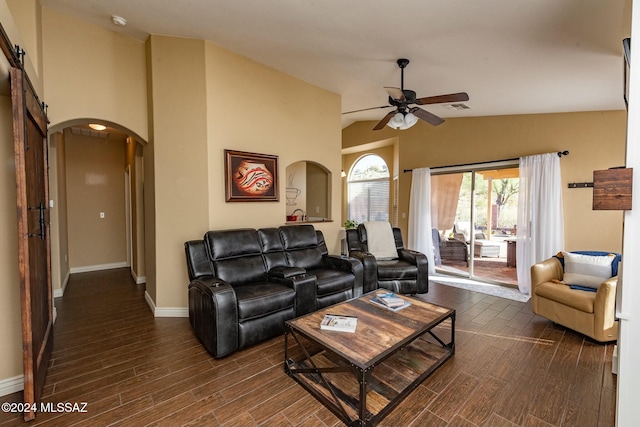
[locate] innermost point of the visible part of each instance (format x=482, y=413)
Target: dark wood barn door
x=30, y=143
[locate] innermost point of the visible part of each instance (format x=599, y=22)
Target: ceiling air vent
x=458, y=107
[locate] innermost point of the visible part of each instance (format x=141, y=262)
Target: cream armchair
x=590, y=313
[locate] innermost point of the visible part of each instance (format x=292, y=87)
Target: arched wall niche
x=308, y=192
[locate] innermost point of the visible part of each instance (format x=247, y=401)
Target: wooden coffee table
x=362, y=376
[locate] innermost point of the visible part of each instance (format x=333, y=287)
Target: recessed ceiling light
x=118, y=20
x=95, y=126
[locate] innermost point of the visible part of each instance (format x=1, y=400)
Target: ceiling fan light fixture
x=396, y=121
x=402, y=120
x=410, y=119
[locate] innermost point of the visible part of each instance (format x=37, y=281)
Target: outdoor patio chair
x=452, y=249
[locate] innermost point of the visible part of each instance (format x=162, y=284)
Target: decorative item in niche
x=250, y=177
x=292, y=192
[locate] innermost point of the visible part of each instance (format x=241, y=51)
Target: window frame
x=384, y=179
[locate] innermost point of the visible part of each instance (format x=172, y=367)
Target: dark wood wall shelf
x=612, y=189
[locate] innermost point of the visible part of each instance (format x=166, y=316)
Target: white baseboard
x=11, y=385
x=57, y=293
x=150, y=303
x=98, y=267
x=165, y=311
x=138, y=279
x=171, y=312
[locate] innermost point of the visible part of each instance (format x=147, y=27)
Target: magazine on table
x=390, y=301
x=337, y=322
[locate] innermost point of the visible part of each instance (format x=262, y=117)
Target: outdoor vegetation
x=504, y=203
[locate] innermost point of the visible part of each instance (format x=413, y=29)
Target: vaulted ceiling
x=511, y=57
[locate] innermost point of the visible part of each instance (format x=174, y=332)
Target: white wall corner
x=57, y=293
x=138, y=279
x=165, y=311
x=150, y=302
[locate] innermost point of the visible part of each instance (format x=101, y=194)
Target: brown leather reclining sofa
x=245, y=283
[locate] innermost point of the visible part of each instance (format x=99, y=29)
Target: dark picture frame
x=250, y=177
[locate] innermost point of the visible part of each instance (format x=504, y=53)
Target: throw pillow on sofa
x=587, y=270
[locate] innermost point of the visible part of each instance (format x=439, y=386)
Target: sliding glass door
x=474, y=214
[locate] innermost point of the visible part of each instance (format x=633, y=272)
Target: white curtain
x=540, y=232
x=445, y=195
x=419, y=238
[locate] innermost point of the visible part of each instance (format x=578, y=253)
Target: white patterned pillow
x=586, y=270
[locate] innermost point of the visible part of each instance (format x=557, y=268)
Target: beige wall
x=282, y=122
x=179, y=129
x=95, y=183
x=21, y=20
x=596, y=140
x=28, y=17
x=91, y=72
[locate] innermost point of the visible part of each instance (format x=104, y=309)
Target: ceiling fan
x=404, y=116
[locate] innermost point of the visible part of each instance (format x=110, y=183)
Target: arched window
x=368, y=190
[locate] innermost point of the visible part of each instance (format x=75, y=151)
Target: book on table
x=391, y=301
x=336, y=322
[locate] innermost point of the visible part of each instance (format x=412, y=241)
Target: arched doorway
x=97, y=190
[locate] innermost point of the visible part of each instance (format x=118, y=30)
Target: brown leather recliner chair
x=590, y=313
x=406, y=274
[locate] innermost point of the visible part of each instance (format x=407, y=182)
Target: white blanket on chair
x=380, y=240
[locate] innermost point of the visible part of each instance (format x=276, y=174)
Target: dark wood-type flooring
x=510, y=368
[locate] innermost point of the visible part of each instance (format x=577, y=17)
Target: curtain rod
x=560, y=154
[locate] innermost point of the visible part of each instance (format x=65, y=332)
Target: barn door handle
x=41, y=220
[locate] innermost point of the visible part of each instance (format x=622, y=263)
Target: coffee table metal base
x=362, y=396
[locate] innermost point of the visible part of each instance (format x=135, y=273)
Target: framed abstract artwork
x=250, y=177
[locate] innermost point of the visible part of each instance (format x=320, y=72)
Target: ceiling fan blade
x=366, y=109
x=395, y=93
x=385, y=120
x=426, y=116
x=452, y=97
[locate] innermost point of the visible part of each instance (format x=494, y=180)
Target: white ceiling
x=510, y=56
